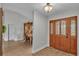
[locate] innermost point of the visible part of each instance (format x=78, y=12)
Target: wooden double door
x=63, y=34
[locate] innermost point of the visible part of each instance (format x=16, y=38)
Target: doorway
x=28, y=32
x=63, y=34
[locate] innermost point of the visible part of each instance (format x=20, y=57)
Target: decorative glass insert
x=58, y=27
x=51, y=28
x=73, y=28
x=63, y=27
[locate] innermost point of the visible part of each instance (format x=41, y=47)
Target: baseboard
x=39, y=49
x=14, y=40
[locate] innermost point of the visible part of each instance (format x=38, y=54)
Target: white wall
x=21, y=8
x=16, y=22
x=40, y=32
x=0, y=5
x=68, y=13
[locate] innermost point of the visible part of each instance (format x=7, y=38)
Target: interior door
x=73, y=35
x=0, y=31
x=63, y=34
x=67, y=34
x=51, y=34
x=57, y=34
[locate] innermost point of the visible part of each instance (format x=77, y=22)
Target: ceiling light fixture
x=48, y=7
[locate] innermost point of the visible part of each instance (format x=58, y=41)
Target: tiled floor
x=51, y=52
x=16, y=49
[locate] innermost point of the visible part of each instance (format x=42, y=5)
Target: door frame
x=62, y=19
x=1, y=14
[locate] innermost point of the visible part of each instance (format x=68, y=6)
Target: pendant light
x=48, y=7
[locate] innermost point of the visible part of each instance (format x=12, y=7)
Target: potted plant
x=4, y=29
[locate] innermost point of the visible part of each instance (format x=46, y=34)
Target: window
x=73, y=27
x=63, y=27
x=58, y=27
x=51, y=28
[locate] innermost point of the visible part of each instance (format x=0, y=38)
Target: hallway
x=16, y=49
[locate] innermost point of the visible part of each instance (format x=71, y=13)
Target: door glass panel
x=58, y=27
x=63, y=27
x=51, y=28
x=73, y=28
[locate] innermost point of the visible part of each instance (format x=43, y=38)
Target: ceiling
x=57, y=7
